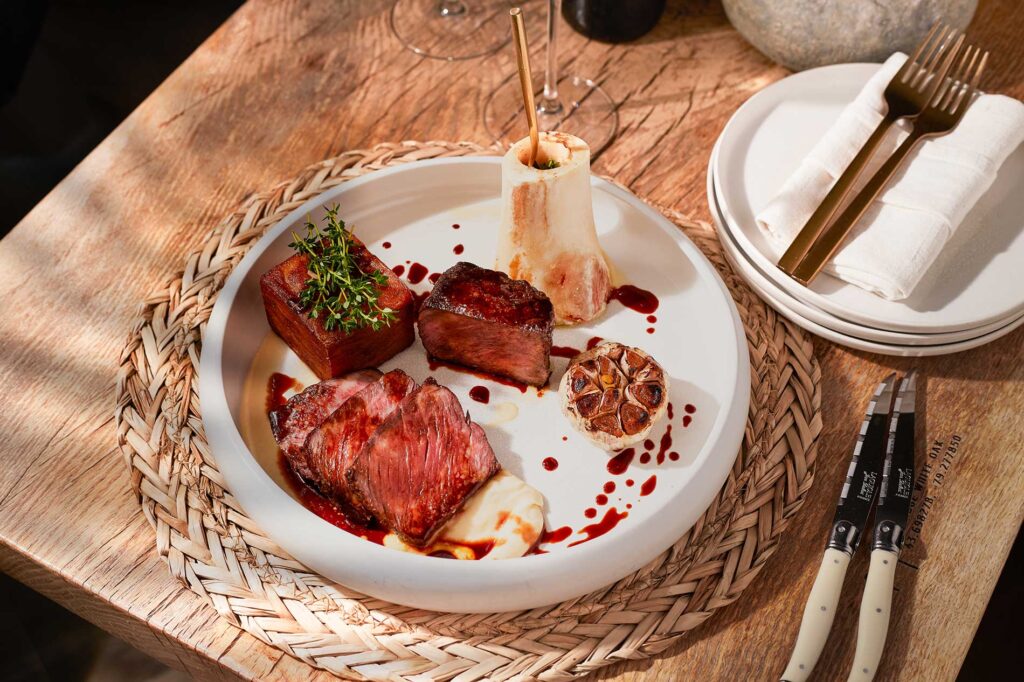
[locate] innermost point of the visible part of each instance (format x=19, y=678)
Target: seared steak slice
x=333, y=446
x=292, y=422
x=484, y=319
x=421, y=464
x=333, y=353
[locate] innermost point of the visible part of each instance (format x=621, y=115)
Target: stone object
x=802, y=34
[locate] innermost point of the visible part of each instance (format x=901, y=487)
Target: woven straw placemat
x=214, y=549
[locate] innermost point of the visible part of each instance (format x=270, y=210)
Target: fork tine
x=938, y=85
x=913, y=62
x=942, y=37
x=970, y=88
x=939, y=61
x=957, y=78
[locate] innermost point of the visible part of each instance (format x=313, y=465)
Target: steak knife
x=891, y=515
x=858, y=494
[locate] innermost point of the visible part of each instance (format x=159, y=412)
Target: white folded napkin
x=906, y=227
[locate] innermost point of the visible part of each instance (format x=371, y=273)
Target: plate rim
x=718, y=452
x=807, y=295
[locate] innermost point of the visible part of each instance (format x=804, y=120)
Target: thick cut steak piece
x=421, y=464
x=484, y=319
x=333, y=353
x=332, y=447
x=292, y=422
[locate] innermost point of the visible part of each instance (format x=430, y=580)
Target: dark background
x=70, y=72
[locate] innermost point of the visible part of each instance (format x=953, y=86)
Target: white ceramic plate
x=698, y=338
x=825, y=326
x=761, y=283
x=975, y=282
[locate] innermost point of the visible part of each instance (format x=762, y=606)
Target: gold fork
x=944, y=111
x=905, y=97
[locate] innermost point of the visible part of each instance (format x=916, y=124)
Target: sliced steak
x=292, y=422
x=484, y=319
x=421, y=464
x=333, y=446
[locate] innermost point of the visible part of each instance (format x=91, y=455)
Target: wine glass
x=451, y=29
x=570, y=103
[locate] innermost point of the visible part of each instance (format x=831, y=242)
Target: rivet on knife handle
x=818, y=615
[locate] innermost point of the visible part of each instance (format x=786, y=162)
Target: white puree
x=505, y=512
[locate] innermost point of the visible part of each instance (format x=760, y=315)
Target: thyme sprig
x=338, y=291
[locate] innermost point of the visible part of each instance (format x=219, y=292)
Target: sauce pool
x=594, y=340
x=648, y=486
x=611, y=519
x=481, y=394
x=399, y=270
x=619, y=463
x=564, y=352
x=550, y=463
x=417, y=272
x=635, y=298
x=459, y=248
x=556, y=535
x=277, y=385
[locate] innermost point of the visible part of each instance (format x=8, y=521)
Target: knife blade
x=891, y=515
x=858, y=494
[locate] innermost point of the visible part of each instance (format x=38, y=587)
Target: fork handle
x=832, y=237
x=830, y=204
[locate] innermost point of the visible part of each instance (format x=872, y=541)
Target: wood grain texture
x=284, y=84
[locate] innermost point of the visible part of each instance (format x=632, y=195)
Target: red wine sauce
x=619, y=463
x=635, y=298
x=611, y=519
x=277, y=385
x=481, y=394
x=556, y=535
x=564, y=352
x=417, y=272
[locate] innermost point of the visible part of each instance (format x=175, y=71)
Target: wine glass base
x=451, y=31
x=587, y=112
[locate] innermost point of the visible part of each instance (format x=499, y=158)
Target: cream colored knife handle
x=818, y=614
x=874, y=615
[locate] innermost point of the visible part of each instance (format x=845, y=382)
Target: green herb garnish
x=338, y=291
x=547, y=165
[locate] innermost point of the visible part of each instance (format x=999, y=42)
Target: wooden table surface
x=284, y=84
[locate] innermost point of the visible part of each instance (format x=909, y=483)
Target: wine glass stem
x=450, y=8
x=549, y=102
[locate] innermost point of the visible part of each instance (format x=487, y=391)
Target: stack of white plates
x=972, y=295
